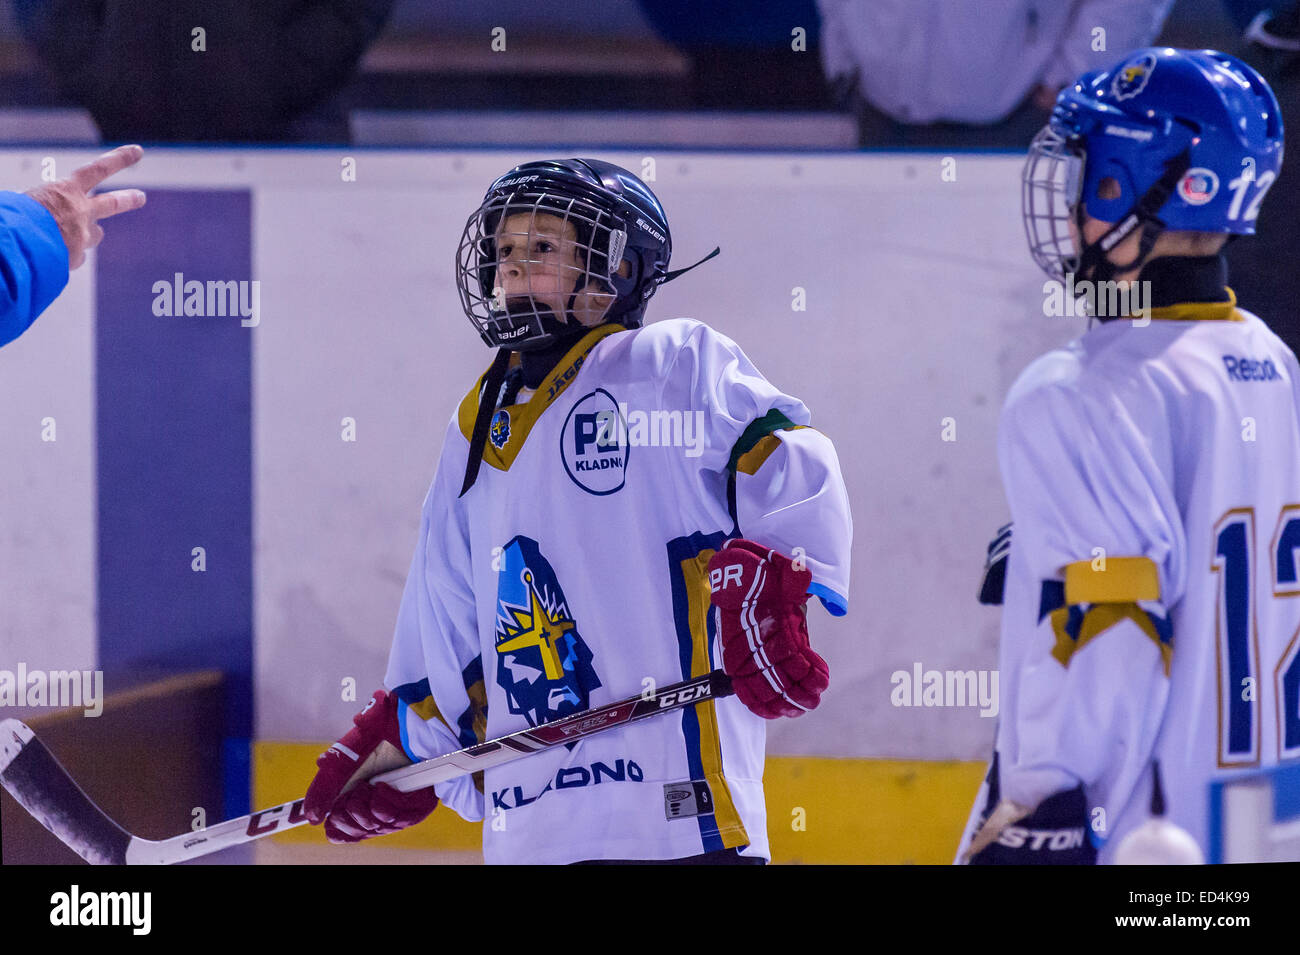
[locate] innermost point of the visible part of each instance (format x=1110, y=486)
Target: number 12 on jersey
x=1241, y=689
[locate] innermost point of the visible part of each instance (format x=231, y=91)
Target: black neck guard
x=537, y=363
x=1186, y=278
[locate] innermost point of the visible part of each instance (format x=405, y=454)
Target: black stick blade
x=31, y=774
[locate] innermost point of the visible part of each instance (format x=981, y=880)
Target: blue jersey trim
x=401, y=728
x=836, y=605
x=681, y=549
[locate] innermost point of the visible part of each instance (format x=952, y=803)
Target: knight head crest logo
x=500, y=430
x=542, y=662
x=1131, y=78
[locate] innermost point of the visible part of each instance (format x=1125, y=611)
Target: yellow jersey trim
x=731, y=830
x=755, y=457
x=1200, y=311
x=1096, y=621
x=427, y=709
x=523, y=416
x=1122, y=580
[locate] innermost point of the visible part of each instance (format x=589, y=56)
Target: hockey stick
x=31, y=774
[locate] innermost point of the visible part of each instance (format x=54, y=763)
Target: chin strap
x=679, y=272
x=487, y=403
x=630, y=316
x=1093, y=263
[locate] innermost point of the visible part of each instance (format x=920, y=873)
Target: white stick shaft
x=34, y=777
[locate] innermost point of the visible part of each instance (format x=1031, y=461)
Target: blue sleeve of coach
x=33, y=263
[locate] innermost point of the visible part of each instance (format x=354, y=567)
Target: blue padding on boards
x=173, y=401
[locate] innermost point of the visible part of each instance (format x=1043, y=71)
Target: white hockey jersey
x=1152, y=605
x=573, y=573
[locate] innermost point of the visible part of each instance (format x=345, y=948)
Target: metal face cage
x=1051, y=188
x=531, y=262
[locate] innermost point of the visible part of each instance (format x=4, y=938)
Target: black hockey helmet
x=617, y=220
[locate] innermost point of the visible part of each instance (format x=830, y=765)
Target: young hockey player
x=1152, y=468
x=589, y=482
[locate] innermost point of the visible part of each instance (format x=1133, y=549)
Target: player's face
x=541, y=264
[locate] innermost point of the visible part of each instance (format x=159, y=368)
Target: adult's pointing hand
x=77, y=212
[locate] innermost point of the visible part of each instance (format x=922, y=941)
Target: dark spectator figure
x=969, y=73
x=206, y=71
x=1264, y=271
x=745, y=54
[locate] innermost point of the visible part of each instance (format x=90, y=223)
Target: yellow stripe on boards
x=868, y=811
x=283, y=771
x=853, y=810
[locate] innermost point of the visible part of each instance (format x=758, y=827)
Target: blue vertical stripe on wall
x=174, y=439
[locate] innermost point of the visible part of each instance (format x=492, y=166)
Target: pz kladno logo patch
x=594, y=445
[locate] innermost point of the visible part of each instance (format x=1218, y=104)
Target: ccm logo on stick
x=721, y=576
x=684, y=696
x=267, y=820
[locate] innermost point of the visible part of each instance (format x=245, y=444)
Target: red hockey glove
x=761, y=598
x=356, y=812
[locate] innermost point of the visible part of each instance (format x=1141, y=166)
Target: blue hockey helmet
x=622, y=245
x=1186, y=140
